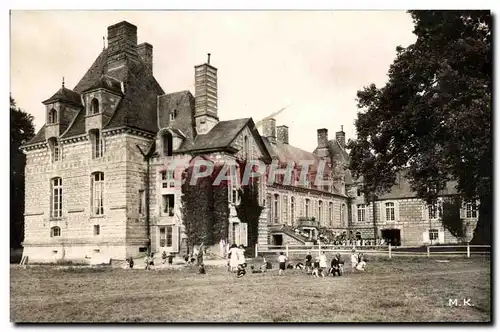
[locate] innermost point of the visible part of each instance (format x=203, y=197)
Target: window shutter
x=425, y=237
x=441, y=237
x=175, y=238
x=425, y=211
x=396, y=211
x=243, y=234
x=154, y=238
x=463, y=211
x=381, y=211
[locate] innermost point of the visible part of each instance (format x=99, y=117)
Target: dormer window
x=94, y=106
x=55, y=149
x=173, y=115
x=52, y=116
x=166, y=140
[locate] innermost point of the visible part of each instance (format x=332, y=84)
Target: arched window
x=358, y=235
x=56, y=198
x=320, y=210
x=97, y=185
x=292, y=210
x=94, y=106
x=97, y=144
x=52, y=116
x=276, y=211
x=307, y=207
x=167, y=143
x=55, y=231
x=173, y=115
x=55, y=149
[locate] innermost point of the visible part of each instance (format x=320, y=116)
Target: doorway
x=392, y=236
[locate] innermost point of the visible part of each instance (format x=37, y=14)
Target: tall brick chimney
x=145, y=52
x=205, y=95
x=269, y=130
x=340, y=137
x=322, y=138
x=122, y=44
x=282, y=134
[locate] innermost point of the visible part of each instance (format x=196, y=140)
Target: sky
x=314, y=62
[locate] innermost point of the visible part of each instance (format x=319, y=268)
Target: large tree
x=432, y=118
x=21, y=131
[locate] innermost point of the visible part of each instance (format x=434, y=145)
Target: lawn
x=404, y=289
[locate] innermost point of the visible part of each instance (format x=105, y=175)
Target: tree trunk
x=482, y=233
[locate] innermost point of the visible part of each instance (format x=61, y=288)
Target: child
x=241, y=270
x=282, y=261
x=299, y=266
x=201, y=269
x=322, y=263
x=361, y=265
x=315, y=268
x=336, y=266
x=354, y=260
x=131, y=262
x=308, y=262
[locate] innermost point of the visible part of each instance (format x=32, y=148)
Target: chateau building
x=97, y=181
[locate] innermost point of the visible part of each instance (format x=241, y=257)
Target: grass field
x=402, y=290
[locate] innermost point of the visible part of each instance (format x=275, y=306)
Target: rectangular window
x=292, y=210
x=56, y=204
x=162, y=237
x=142, y=202
x=168, y=205
x=471, y=210
x=330, y=213
x=361, y=208
x=389, y=211
x=307, y=208
x=169, y=236
x=435, y=210
x=320, y=210
x=97, y=194
x=433, y=234
x=284, y=209
x=97, y=144
x=167, y=179
x=97, y=229
x=358, y=192
x=55, y=231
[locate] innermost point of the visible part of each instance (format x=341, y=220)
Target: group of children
x=320, y=266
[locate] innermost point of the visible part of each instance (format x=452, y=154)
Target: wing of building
x=108, y=140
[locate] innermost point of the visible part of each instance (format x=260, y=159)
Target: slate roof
x=65, y=95
x=108, y=83
x=402, y=189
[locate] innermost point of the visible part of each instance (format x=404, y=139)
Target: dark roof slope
x=221, y=136
x=107, y=83
x=183, y=103
x=65, y=95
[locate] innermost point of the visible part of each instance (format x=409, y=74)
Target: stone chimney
x=340, y=137
x=145, y=52
x=122, y=44
x=322, y=138
x=269, y=130
x=205, y=95
x=282, y=134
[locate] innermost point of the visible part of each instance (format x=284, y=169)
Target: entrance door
x=392, y=236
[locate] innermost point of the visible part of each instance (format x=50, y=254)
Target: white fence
x=386, y=250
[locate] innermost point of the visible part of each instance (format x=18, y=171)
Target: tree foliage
x=21, y=131
x=451, y=218
x=205, y=208
x=249, y=208
x=432, y=118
